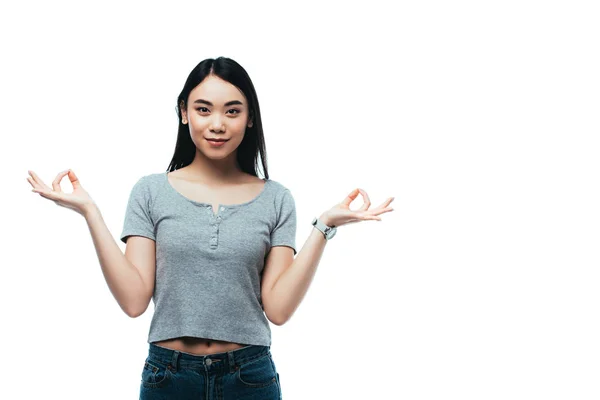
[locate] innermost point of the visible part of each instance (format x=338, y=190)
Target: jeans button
x=208, y=361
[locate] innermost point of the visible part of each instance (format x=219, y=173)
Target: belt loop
x=174, y=360
x=232, y=366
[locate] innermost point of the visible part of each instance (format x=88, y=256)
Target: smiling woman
x=212, y=245
x=207, y=228
x=217, y=113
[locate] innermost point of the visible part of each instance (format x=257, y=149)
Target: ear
x=250, y=118
x=183, y=113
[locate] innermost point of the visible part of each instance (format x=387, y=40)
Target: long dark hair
x=254, y=140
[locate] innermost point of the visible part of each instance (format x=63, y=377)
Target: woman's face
x=216, y=110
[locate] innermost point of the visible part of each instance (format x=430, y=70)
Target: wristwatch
x=328, y=231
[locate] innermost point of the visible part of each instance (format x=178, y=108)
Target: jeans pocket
x=257, y=373
x=155, y=374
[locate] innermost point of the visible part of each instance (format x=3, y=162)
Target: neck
x=213, y=171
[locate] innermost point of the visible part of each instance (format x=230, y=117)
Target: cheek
x=239, y=124
x=197, y=122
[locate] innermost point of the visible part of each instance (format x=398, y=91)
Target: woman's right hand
x=79, y=201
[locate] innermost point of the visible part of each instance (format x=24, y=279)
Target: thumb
x=74, y=180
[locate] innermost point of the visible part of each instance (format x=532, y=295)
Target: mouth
x=217, y=143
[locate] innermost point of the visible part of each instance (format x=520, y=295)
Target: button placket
x=210, y=210
x=215, y=221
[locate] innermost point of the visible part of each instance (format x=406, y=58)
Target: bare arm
x=123, y=278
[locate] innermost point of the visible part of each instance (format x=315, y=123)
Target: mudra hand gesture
x=79, y=200
x=340, y=214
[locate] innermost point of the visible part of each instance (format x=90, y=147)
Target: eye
x=204, y=109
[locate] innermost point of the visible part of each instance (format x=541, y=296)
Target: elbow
x=133, y=315
x=133, y=312
x=137, y=307
x=130, y=313
x=279, y=321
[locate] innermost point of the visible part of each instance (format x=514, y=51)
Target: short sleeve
x=284, y=232
x=138, y=221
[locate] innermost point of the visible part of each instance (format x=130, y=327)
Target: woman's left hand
x=341, y=214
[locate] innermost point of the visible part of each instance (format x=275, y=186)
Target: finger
x=48, y=194
x=74, y=179
x=365, y=217
x=385, y=204
x=378, y=211
x=34, y=184
x=56, y=182
x=382, y=211
x=40, y=190
x=388, y=209
x=351, y=197
x=367, y=201
x=36, y=179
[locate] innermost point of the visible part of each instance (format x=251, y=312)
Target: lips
x=217, y=140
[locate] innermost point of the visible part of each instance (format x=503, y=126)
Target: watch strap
x=317, y=223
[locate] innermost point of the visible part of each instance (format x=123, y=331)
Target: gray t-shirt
x=209, y=266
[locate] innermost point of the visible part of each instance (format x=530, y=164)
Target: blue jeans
x=245, y=373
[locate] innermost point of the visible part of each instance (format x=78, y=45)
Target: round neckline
x=264, y=189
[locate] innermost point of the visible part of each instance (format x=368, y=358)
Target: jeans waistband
x=229, y=360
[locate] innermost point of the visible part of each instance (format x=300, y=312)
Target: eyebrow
x=229, y=103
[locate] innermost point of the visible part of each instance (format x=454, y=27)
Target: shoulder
x=154, y=179
x=282, y=195
x=280, y=192
x=148, y=185
x=277, y=186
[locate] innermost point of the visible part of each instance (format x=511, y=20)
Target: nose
x=216, y=123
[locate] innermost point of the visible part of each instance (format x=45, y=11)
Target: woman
x=212, y=245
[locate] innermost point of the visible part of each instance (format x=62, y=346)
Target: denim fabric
x=247, y=373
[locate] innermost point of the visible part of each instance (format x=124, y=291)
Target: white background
x=481, y=118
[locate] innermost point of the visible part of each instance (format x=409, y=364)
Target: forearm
x=122, y=277
x=292, y=285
